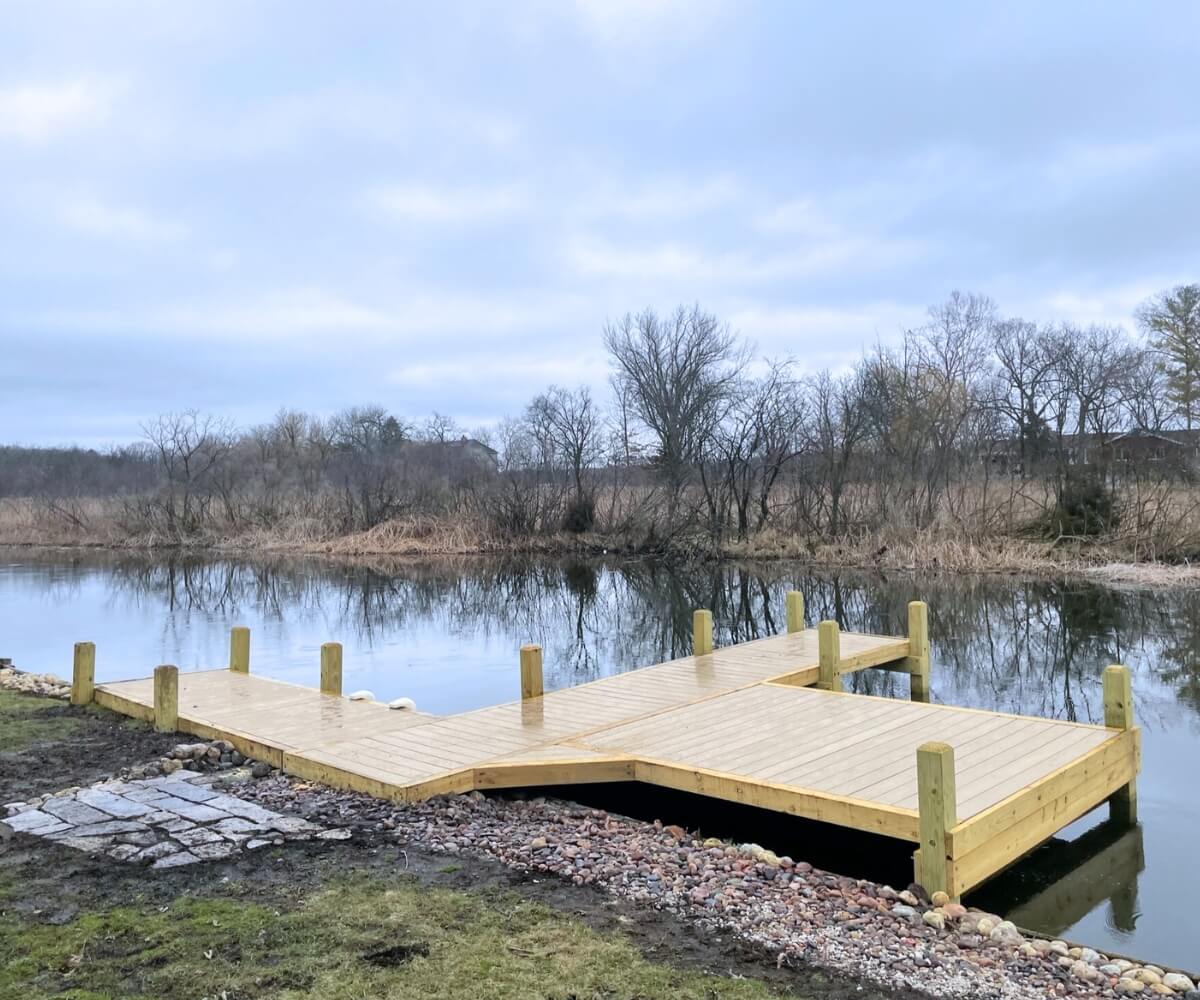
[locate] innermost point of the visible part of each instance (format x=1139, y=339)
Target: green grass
x=351, y=940
x=26, y=720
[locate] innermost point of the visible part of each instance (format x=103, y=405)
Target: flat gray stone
x=32, y=821
x=238, y=829
x=143, y=793
x=140, y=838
x=75, y=813
x=194, y=811
x=175, y=860
x=155, y=851
x=214, y=852
x=159, y=816
x=292, y=824
x=124, y=852
x=176, y=824
x=109, y=828
x=114, y=805
x=186, y=790
x=90, y=845
x=341, y=833
x=240, y=807
x=256, y=843
x=198, y=835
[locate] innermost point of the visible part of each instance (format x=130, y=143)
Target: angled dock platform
x=763, y=723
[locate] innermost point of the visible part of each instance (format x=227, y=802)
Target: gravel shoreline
x=802, y=915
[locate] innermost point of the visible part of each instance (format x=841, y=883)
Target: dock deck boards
x=740, y=723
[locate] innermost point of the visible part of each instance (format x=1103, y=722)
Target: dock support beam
x=917, y=663
x=795, y=611
x=702, y=632
x=166, y=699
x=239, y=649
x=829, y=656
x=1118, y=714
x=83, y=674
x=331, y=668
x=937, y=806
x=531, y=672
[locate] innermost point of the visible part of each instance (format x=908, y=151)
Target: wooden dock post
x=702, y=632
x=829, y=656
x=937, y=806
x=166, y=699
x=795, y=611
x=917, y=663
x=1118, y=714
x=331, y=668
x=83, y=674
x=531, y=672
x=239, y=649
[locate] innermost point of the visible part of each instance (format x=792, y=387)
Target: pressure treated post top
x=166, y=698
x=531, y=671
x=83, y=674
x=795, y=611
x=1118, y=697
x=331, y=668
x=239, y=649
x=702, y=632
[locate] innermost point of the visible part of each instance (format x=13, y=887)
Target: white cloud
x=119, y=222
x=638, y=22
x=673, y=197
x=40, y=112
x=672, y=261
x=570, y=369
x=403, y=202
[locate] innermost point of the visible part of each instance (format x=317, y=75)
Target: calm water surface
x=446, y=634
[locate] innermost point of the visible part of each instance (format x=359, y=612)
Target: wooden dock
x=763, y=723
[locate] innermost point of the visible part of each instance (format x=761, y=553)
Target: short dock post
x=918, y=651
x=531, y=672
x=829, y=656
x=702, y=632
x=937, y=806
x=331, y=668
x=83, y=674
x=1118, y=714
x=239, y=649
x=795, y=611
x=166, y=699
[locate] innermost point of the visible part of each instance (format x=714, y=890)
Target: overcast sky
x=237, y=205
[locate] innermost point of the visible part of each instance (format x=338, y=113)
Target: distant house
x=1177, y=451
x=453, y=458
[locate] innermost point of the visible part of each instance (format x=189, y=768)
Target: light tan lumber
x=795, y=611
x=829, y=656
x=166, y=698
x=702, y=632
x=937, y=810
x=917, y=662
x=331, y=668
x=239, y=649
x=1118, y=714
x=531, y=672
x=83, y=674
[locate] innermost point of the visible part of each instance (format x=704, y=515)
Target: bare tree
x=567, y=423
x=679, y=372
x=1171, y=320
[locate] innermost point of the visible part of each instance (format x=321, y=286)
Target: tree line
x=973, y=423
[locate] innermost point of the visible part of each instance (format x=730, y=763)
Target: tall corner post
x=1118, y=714
x=239, y=649
x=795, y=611
x=331, y=668
x=937, y=807
x=917, y=663
x=166, y=699
x=702, y=632
x=83, y=674
x=531, y=672
x=829, y=656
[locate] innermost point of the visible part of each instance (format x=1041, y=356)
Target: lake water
x=446, y=634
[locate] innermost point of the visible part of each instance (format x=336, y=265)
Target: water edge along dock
x=764, y=723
